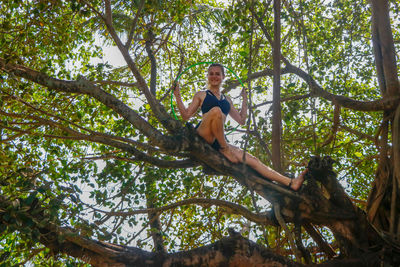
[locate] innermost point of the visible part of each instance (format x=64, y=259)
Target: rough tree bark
x=276, y=95
x=154, y=217
x=384, y=200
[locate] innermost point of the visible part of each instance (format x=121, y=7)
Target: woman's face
x=215, y=76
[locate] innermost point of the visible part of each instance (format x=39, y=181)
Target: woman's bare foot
x=296, y=183
x=227, y=152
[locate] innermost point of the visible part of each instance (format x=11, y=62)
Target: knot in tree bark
x=320, y=168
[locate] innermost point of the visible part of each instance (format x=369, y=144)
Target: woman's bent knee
x=215, y=112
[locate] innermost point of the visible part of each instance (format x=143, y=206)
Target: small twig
x=126, y=84
x=94, y=9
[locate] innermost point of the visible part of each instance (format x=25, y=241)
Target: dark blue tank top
x=211, y=101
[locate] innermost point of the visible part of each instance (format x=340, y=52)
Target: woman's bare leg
x=267, y=172
x=212, y=127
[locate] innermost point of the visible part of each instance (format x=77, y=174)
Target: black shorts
x=216, y=145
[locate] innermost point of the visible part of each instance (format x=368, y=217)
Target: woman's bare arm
x=188, y=112
x=241, y=116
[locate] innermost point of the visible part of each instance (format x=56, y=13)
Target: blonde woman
x=215, y=108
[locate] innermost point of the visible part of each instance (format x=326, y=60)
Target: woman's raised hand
x=243, y=93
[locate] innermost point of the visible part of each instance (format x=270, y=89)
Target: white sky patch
x=112, y=55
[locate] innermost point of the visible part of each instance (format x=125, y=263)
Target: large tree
x=94, y=163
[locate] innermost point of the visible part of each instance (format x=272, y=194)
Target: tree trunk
x=384, y=202
x=154, y=218
x=276, y=106
x=351, y=233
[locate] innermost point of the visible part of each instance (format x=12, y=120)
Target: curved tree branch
x=124, y=144
x=335, y=126
x=153, y=69
x=51, y=115
x=266, y=218
x=83, y=86
x=387, y=103
x=385, y=53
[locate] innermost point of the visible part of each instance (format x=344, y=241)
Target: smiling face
x=215, y=76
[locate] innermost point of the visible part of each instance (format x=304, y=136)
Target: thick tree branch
x=86, y=87
x=396, y=146
x=108, y=16
x=316, y=90
x=317, y=237
x=226, y=252
x=199, y=149
x=153, y=63
x=124, y=144
x=267, y=189
x=383, y=42
x=146, y=147
x=378, y=55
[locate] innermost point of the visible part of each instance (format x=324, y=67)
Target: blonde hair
x=217, y=65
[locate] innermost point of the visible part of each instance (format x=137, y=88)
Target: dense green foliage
x=40, y=159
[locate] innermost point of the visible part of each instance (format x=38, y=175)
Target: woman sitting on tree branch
x=215, y=107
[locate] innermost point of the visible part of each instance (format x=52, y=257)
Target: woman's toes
x=296, y=184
